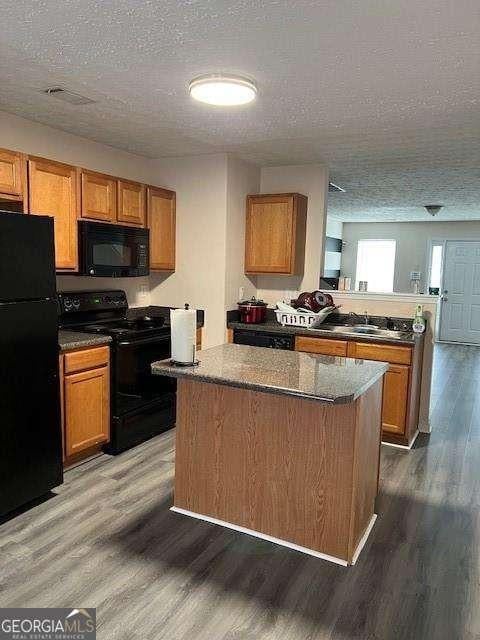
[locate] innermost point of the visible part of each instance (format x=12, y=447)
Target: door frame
x=440, y=309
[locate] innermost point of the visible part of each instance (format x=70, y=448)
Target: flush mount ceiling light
x=433, y=209
x=223, y=91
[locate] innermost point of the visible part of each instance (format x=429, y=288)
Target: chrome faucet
x=353, y=315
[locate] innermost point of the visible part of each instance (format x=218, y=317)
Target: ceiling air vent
x=67, y=96
x=334, y=188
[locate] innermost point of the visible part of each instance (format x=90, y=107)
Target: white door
x=460, y=315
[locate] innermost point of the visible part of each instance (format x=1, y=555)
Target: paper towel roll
x=183, y=324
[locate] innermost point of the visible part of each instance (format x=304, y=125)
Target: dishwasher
x=264, y=339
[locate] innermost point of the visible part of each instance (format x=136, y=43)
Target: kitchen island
x=281, y=445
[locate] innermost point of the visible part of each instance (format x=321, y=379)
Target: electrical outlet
x=241, y=293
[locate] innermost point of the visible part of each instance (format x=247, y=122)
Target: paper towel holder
x=193, y=363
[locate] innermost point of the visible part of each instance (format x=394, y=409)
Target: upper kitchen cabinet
x=275, y=234
x=99, y=197
x=13, y=182
x=161, y=222
x=131, y=203
x=54, y=191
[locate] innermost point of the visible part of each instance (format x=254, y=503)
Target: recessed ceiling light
x=224, y=91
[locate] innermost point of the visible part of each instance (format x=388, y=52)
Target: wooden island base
x=297, y=472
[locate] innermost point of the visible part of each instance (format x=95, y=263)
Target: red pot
x=252, y=311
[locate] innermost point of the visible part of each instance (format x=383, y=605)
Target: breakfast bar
x=281, y=445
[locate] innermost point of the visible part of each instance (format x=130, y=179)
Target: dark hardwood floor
x=108, y=540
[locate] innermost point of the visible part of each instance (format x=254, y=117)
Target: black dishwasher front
x=263, y=339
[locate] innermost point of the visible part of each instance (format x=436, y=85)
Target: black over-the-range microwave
x=113, y=250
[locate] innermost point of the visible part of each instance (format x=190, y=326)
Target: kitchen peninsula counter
x=281, y=445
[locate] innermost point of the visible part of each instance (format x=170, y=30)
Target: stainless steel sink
x=366, y=329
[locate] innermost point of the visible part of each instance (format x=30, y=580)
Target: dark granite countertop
x=272, y=326
x=314, y=377
x=68, y=340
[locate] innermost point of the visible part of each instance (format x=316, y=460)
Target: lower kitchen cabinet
x=395, y=399
x=85, y=394
x=401, y=384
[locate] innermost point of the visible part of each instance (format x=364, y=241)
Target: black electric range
x=142, y=405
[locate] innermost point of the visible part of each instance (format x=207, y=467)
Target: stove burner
x=146, y=321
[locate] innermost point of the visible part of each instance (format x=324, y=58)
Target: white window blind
x=376, y=264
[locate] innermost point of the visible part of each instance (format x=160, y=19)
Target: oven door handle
x=142, y=341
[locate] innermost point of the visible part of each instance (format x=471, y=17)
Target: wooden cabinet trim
x=86, y=359
x=91, y=177
x=61, y=377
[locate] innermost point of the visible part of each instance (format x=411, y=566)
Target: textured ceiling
x=384, y=91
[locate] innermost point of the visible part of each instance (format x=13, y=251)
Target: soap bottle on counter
x=418, y=320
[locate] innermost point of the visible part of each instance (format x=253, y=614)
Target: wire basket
x=302, y=319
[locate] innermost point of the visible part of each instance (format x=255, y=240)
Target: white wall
x=199, y=279
x=334, y=228
x=37, y=139
x=413, y=240
x=243, y=178
x=312, y=181
x=211, y=192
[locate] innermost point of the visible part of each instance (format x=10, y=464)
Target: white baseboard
x=364, y=538
x=283, y=543
x=403, y=446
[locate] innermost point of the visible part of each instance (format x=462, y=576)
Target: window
x=436, y=260
x=376, y=264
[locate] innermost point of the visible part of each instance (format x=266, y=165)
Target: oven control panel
x=83, y=301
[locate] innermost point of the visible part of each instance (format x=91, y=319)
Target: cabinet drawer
x=382, y=352
x=86, y=359
x=321, y=345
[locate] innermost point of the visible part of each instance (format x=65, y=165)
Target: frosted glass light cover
x=223, y=91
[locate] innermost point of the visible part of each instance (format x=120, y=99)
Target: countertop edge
x=185, y=373
x=70, y=340
x=324, y=333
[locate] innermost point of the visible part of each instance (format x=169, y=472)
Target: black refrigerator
x=30, y=431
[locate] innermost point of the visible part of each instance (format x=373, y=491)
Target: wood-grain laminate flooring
x=108, y=540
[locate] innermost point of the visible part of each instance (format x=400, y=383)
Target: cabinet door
x=12, y=172
x=99, y=197
x=161, y=222
x=270, y=234
x=53, y=191
x=131, y=203
x=87, y=409
x=395, y=399
x=322, y=346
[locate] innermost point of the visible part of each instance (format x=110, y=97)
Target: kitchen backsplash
x=137, y=289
